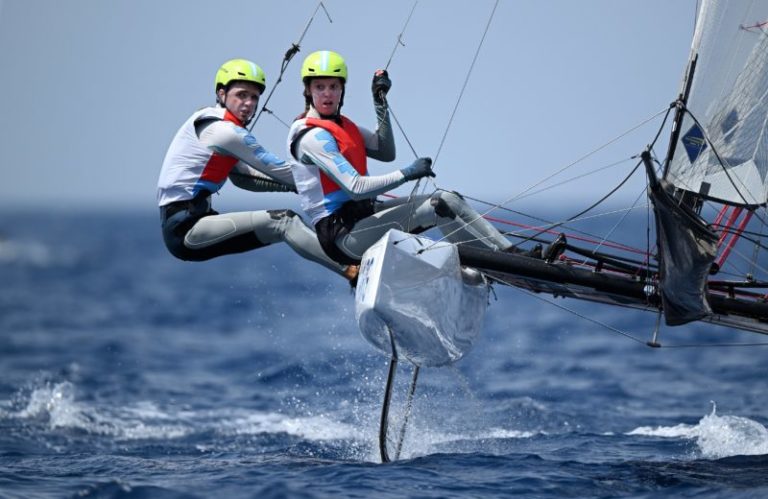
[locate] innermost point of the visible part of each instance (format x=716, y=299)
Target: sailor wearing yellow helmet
x=328, y=155
x=212, y=146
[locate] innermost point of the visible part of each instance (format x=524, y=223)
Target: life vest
x=189, y=166
x=351, y=145
x=218, y=167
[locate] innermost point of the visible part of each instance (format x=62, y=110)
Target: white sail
x=729, y=99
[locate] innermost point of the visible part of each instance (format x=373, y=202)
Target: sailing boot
x=556, y=249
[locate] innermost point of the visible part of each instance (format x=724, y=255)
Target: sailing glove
x=380, y=85
x=422, y=167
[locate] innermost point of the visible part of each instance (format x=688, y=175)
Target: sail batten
x=722, y=142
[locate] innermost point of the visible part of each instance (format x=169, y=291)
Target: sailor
x=212, y=146
x=328, y=155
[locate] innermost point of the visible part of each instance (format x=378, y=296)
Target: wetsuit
x=328, y=161
x=209, y=148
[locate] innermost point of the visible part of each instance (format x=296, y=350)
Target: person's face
x=326, y=94
x=241, y=99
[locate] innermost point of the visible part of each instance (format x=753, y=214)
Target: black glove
x=380, y=85
x=422, y=167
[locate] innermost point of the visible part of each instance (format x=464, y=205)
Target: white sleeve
x=229, y=139
x=318, y=147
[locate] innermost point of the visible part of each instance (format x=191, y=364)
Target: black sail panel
x=687, y=248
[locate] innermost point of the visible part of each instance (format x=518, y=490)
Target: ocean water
x=129, y=374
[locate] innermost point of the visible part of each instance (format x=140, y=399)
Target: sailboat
x=708, y=194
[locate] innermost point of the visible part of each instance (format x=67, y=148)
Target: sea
x=129, y=374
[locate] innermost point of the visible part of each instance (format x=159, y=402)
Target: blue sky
x=96, y=89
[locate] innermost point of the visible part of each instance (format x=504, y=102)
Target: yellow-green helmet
x=324, y=63
x=240, y=70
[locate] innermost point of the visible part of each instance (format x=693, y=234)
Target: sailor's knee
x=278, y=214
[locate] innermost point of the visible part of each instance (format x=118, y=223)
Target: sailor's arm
x=229, y=139
x=250, y=179
x=318, y=147
x=380, y=144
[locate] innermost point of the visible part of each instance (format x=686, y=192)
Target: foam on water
x=314, y=428
x=717, y=436
x=56, y=404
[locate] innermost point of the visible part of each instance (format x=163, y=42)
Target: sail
x=687, y=248
x=722, y=148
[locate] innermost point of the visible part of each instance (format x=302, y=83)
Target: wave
x=717, y=436
x=55, y=405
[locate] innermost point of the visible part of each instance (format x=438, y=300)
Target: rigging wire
x=720, y=160
x=577, y=314
x=611, y=244
x=292, y=51
x=400, y=36
x=570, y=165
x=590, y=208
x=399, y=42
x=623, y=333
x=574, y=178
x=400, y=127
x=388, y=106
x=756, y=250
x=618, y=223
x=600, y=201
x=466, y=80
x=722, y=164
x=747, y=259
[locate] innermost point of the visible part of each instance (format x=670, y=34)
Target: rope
x=719, y=159
x=400, y=36
x=509, y=200
x=269, y=111
x=466, y=80
x=625, y=334
x=581, y=316
x=400, y=127
x=292, y=51
x=611, y=244
x=616, y=226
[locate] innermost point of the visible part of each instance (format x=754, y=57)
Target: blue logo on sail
x=694, y=142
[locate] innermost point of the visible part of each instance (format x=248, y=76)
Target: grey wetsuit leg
x=458, y=221
x=416, y=215
x=269, y=227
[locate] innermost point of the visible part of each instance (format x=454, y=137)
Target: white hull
x=432, y=308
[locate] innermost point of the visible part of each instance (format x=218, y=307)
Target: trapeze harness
x=340, y=213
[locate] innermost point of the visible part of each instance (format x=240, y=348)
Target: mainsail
x=722, y=148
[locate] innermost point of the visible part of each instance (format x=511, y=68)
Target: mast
x=682, y=101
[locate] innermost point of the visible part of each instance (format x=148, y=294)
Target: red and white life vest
x=320, y=194
x=189, y=166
